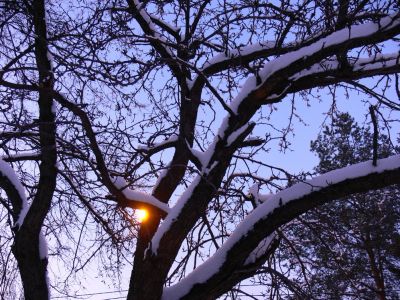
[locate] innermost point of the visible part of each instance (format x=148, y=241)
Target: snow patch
x=173, y=138
x=7, y=171
x=156, y=35
x=249, y=85
x=173, y=214
x=50, y=59
x=43, y=249
x=260, y=250
x=253, y=190
x=234, y=135
x=241, y=51
x=130, y=194
x=205, y=157
x=54, y=107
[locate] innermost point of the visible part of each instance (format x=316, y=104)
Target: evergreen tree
x=351, y=247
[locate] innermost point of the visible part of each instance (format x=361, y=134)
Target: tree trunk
x=31, y=263
x=33, y=269
x=147, y=278
x=376, y=272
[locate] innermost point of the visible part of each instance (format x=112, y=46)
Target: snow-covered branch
x=15, y=191
x=22, y=156
x=138, y=196
x=255, y=50
x=157, y=41
x=172, y=30
x=170, y=142
x=380, y=63
x=296, y=59
x=260, y=250
x=279, y=209
x=372, y=30
x=173, y=214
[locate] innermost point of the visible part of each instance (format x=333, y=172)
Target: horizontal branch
x=136, y=196
x=324, y=75
x=276, y=75
x=168, y=143
x=22, y=157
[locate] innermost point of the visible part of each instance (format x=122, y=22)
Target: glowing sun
x=142, y=215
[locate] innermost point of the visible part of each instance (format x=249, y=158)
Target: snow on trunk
x=7, y=171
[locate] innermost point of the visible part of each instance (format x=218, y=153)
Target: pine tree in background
x=350, y=249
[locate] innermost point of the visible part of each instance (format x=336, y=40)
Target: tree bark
x=32, y=268
x=31, y=263
x=145, y=270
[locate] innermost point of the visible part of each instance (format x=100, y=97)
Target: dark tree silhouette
x=109, y=106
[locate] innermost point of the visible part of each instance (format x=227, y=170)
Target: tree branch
x=276, y=211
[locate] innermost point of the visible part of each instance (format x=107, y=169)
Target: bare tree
x=109, y=106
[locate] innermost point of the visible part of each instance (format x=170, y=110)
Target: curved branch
x=297, y=57
x=10, y=183
x=124, y=198
x=278, y=210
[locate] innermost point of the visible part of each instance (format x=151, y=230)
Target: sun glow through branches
x=141, y=215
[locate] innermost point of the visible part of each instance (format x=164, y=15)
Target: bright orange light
x=142, y=215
